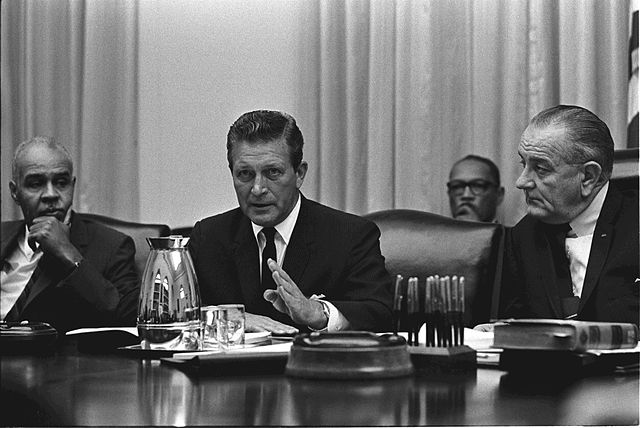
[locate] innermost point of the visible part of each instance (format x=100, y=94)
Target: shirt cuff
x=337, y=321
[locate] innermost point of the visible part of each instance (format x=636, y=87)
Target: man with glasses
x=474, y=189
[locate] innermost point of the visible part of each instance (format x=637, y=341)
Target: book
x=564, y=335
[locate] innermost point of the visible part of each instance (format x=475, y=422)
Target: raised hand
x=288, y=298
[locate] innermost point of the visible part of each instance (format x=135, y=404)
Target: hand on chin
x=466, y=214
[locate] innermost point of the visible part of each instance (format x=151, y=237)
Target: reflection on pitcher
x=169, y=309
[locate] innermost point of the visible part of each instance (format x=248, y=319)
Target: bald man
x=56, y=266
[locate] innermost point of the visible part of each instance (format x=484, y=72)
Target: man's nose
x=524, y=181
x=259, y=186
x=467, y=193
x=50, y=192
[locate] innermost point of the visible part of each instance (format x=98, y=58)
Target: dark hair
x=493, y=169
x=265, y=126
x=589, y=136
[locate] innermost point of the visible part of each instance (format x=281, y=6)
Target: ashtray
x=348, y=355
x=27, y=337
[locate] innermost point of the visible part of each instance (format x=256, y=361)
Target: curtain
x=400, y=90
x=69, y=71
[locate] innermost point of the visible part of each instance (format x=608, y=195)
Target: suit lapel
x=301, y=246
x=245, y=250
x=10, y=234
x=602, y=238
x=543, y=256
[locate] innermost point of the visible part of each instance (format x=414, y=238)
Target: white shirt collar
x=23, y=244
x=585, y=223
x=284, y=228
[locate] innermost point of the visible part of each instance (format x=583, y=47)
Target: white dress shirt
x=16, y=273
x=578, y=241
x=284, y=230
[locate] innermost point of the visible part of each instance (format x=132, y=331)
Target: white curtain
x=69, y=71
x=391, y=92
x=402, y=89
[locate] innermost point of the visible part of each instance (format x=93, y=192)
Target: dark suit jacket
x=330, y=252
x=102, y=291
x=610, y=291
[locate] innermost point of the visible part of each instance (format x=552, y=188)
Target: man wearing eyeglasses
x=474, y=189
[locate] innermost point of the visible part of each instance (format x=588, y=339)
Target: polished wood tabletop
x=70, y=387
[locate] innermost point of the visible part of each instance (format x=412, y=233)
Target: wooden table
x=75, y=388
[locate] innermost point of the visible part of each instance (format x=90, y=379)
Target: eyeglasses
x=477, y=187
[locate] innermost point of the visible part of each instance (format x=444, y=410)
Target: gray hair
x=588, y=137
x=38, y=140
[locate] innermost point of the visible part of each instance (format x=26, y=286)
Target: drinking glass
x=209, y=314
x=230, y=321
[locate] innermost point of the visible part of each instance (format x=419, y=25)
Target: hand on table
x=485, y=327
x=287, y=298
x=255, y=323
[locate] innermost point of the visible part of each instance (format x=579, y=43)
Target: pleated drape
x=405, y=88
x=69, y=71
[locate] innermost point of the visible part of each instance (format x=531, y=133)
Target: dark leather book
x=564, y=335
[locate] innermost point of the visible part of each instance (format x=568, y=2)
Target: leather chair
x=184, y=231
x=625, y=169
x=418, y=243
x=137, y=231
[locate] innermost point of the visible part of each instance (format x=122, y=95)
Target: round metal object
x=349, y=355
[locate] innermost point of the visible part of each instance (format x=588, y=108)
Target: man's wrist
x=73, y=264
x=323, y=316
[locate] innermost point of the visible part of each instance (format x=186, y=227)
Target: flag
x=632, y=110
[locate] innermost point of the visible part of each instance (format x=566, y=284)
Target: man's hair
x=41, y=140
x=589, y=136
x=264, y=126
x=493, y=169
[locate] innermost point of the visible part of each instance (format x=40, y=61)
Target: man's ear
x=591, y=177
x=500, y=195
x=14, y=189
x=301, y=172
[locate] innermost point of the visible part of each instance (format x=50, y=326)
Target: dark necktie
x=269, y=252
x=563, y=273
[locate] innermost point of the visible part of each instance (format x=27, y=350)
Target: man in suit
x=57, y=267
x=474, y=189
x=575, y=253
x=293, y=263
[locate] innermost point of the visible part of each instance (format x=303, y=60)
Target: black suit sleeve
x=111, y=290
x=512, y=291
x=366, y=300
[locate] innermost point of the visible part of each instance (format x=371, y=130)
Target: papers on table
x=130, y=330
x=277, y=348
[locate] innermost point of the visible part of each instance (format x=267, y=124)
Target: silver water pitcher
x=169, y=308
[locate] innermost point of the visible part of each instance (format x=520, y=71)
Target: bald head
x=43, y=181
x=39, y=141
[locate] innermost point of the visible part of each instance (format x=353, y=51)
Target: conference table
x=70, y=387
